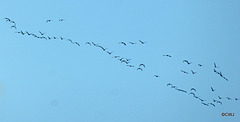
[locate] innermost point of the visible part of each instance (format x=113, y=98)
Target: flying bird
x=130, y=65
x=168, y=56
x=102, y=48
x=7, y=19
x=219, y=102
x=225, y=78
x=132, y=43
x=142, y=65
x=196, y=97
x=61, y=20
x=140, y=69
x=123, y=43
x=215, y=66
x=61, y=38
x=219, y=97
x=124, y=61
x=193, y=72
x=88, y=43
x=192, y=93
x=215, y=70
x=156, y=76
x=205, y=104
x=41, y=33
x=184, y=72
x=200, y=65
x=201, y=99
x=28, y=33
x=109, y=52
x=94, y=44
x=169, y=84
x=14, y=27
x=13, y=23
x=120, y=59
x=228, y=98
x=236, y=99
x=70, y=40
x=193, y=89
x=115, y=56
x=187, y=62
x=142, y=42
x=48, y=20
x=212, y=104
x=128, y=59
x=212, y=89
x=77, y=43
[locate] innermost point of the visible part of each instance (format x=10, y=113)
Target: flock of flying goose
x=127, y=62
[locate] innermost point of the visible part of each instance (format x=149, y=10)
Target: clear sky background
x=56, y=81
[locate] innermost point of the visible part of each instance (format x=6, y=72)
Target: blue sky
x=55, y=80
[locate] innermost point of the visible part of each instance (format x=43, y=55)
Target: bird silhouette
x=48, y=20
x=70, y=40
x=109, y=52
x=130, y=65
x=124, y=61
x=181, y=90
x=14, y=27
x=236, y=99
x=212, y=104
x=228, y=98
x=169, y=84
x=142, y=42
x=103, y=48
x=94, y=44
x=215, y=70
x=141, y=65
x=88, y=43
x=168, y=56
x=193, y=89
x=61, y=20
x=201, y=99
x=123, y=43
x=7, y=19
x=128, y=59
x=215, y=66
x=200, y=65
x=156, y=76
x=184, y=72
x=219, y=102
x=28, y=33
x=120, y=59
x=41, y=33
x=225, y=78
x=132, y=43
x=205, y=104
x=115, y=56
x=187, y=62
x=193, y=72
x=219, y=97
x=192, y=93
x=212, y=89
x=77, y=43
x=140, y=69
